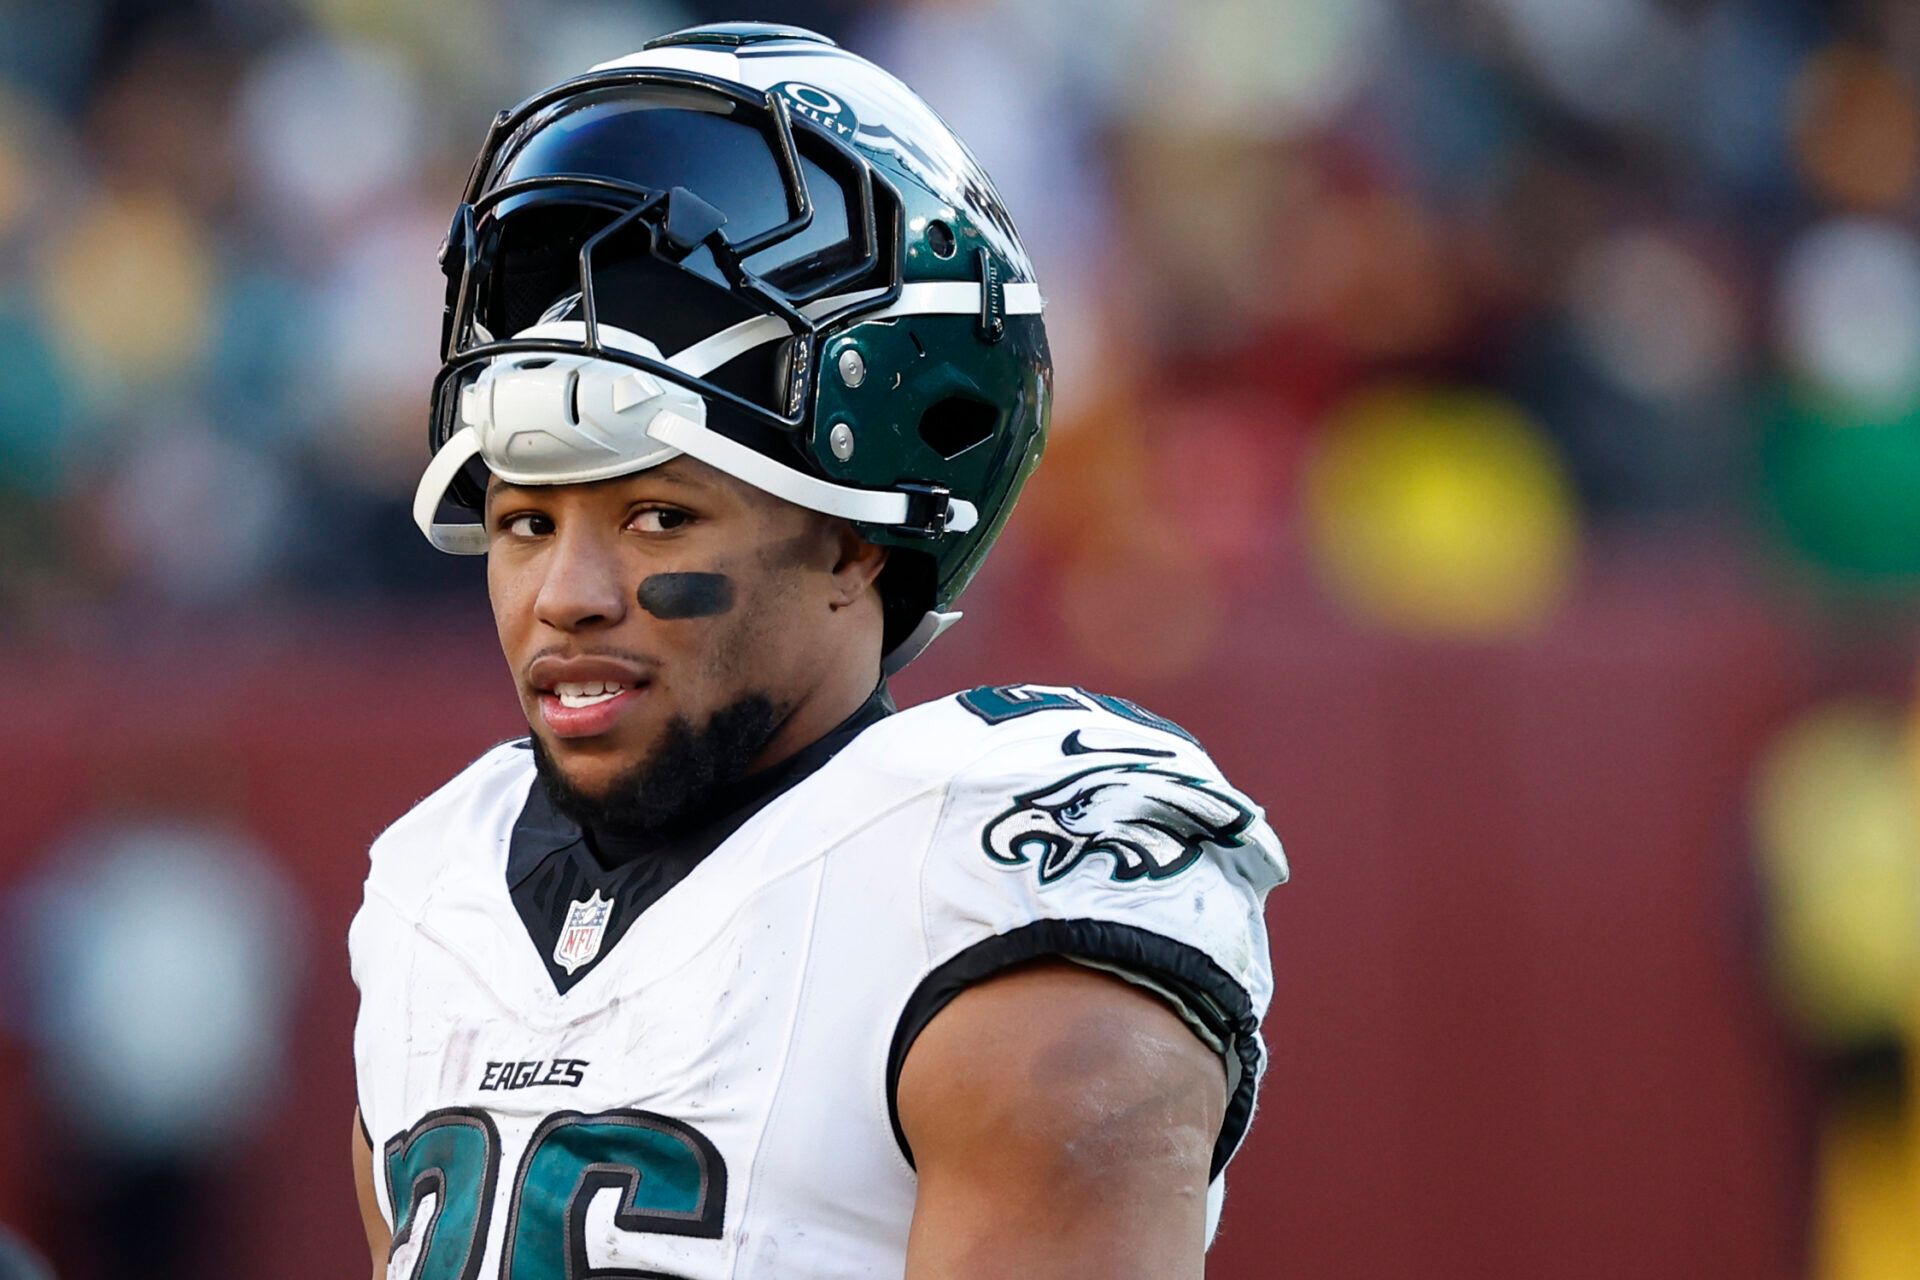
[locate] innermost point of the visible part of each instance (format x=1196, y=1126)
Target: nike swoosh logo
x=1073, y=746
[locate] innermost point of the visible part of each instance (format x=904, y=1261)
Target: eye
x=659, y=520
x=527, y=524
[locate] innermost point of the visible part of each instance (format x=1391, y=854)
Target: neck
x=819, y=712
x=849, y=682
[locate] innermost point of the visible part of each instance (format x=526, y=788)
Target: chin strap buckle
x=929, y=509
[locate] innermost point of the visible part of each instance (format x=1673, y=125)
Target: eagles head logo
x=1152, y=822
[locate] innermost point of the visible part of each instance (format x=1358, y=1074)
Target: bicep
x=1062, y=1123
x=378, y=1237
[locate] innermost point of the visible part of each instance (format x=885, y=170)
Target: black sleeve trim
x=1125, y=946
x=361, y=1120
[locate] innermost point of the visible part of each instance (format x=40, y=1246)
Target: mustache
x=630, y=657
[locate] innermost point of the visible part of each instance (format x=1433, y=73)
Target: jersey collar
x=541, y=830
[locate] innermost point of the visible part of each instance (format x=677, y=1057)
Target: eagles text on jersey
x=693, y=1076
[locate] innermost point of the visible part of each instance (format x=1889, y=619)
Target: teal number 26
x=671, y=1181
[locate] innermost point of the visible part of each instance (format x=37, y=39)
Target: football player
x=731, y=969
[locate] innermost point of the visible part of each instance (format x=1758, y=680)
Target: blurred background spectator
x=159, y=961
x=18, y=1262
x=1493, y=425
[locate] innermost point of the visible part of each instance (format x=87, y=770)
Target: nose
x=584, y=587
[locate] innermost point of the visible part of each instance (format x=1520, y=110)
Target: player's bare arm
x=376, y=1226
x=1061, y=1121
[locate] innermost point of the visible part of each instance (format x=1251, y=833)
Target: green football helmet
x=747, y=245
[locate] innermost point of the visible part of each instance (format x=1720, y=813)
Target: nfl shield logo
x=580, y=935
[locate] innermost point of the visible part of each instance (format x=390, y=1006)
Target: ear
x=857, y=564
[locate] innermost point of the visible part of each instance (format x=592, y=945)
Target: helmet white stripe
x=925, y=298
x=704, y=59
x=958, y=298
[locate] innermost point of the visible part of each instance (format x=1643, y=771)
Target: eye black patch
x=686, y=595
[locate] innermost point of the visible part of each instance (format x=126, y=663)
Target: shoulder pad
x=471, y=813
x=1072, y=781
x=1084, y=827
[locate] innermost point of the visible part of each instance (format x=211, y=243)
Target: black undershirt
x=552, y=862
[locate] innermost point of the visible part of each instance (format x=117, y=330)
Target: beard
x=679, y=784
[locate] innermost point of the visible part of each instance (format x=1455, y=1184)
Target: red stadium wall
x=1519, y=1029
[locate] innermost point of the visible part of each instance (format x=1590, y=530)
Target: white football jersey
x=712, y=1094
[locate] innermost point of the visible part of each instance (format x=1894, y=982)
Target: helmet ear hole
x=956, y=424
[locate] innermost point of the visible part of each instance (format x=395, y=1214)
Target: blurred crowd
x=1454, y=293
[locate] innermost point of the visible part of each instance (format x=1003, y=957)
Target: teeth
x=585, y=693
